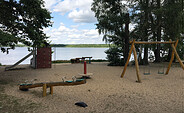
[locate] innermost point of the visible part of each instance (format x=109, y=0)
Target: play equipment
x=41, y=58
x=161, y=70
x=25, y=87
x=85, y=74
x=174, y=52
x=146, y=71
x=17, y=63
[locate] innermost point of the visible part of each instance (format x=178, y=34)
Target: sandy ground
x=106, y=92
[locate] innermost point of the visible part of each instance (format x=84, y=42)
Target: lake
x=60, y=53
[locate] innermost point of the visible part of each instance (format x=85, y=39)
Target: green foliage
x=114, y=56
x=113, y=18
x=154, y=20
x=23, y=21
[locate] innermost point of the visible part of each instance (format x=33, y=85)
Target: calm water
x=60, y=53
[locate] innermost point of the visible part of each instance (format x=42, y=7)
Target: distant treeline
x=81, y=45
x=75, y=45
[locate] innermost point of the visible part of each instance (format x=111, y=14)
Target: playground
x=105, y=92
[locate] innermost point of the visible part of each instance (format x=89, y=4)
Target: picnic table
x=78, y=60
x=87, y=57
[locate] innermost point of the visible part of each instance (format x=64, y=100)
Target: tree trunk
x=145, y=60
x=157, y=51
x=169, y=54
x=126, y=51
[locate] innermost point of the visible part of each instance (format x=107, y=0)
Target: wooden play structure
x=41, y=59
x=25, y=87
x=174, y=52
x=17, y=63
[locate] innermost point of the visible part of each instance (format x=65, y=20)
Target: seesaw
x=25, y=87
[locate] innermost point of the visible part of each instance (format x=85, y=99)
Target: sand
x=106, y=92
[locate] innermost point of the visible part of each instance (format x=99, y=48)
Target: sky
x=73, y=22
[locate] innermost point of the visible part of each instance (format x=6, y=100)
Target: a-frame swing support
x=174, y=52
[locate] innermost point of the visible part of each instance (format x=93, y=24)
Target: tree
x=158, y=20
x=113, y=22
x=173, y=24
x=154, y=20
x=23, y=21
x=140, y=17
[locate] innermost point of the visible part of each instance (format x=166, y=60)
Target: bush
x=114, y=56
x=0, y=64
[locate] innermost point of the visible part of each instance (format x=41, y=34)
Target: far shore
x=76, y=45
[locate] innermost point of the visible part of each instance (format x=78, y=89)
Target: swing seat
x=146, y=73
x=160, y=72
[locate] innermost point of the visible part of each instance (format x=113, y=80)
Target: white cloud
x=49, y=4
x=78, y=10
x=64, y=35
x=84, y=16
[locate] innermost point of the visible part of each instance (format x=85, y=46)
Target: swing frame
x=174, y=52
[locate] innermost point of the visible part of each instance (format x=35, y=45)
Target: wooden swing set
x=173, y=45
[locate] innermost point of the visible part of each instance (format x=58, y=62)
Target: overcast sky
x=74, y=22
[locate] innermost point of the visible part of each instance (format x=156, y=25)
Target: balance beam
x=25, y=87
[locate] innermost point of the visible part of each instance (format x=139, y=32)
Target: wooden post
x=44, y=90
x=177, y=56
x=51, y=90
x=172, y=57
x=130, y=52
x=136, y=64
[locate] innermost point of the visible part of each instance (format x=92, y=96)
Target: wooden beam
x=44, y=90
x=177, y=56
x=172, y=57
x=51, y=90
x=144, y=42
x=129, y=55
x=136, y=64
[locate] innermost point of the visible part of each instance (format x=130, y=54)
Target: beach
x=105, y=92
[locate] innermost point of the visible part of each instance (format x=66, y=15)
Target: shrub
x=114, y=56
